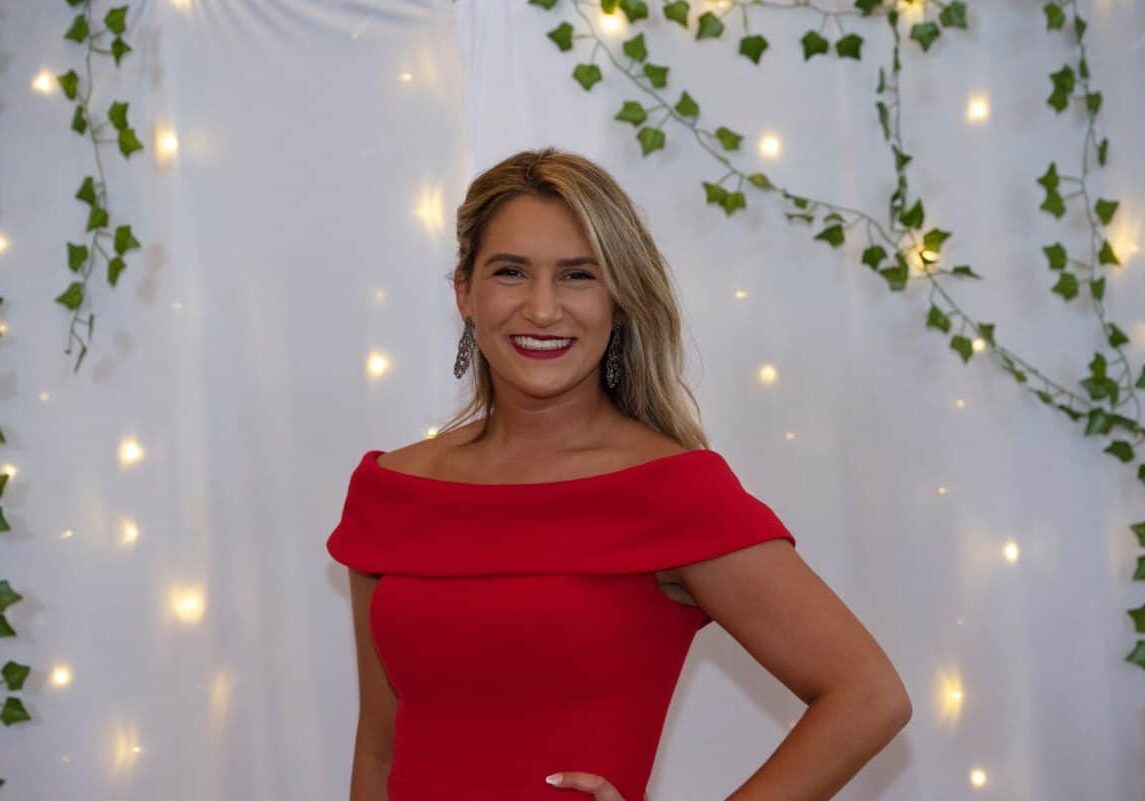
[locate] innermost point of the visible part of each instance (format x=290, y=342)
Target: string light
x=405, y=77
x=166, y=145
x=130, y=452
x=377, y=364
x=130, y=533
x=613, y=24
x=1011, y=552
x=740, y=294
x=61, y=676
x=3, y=243
x=44, y=82
x=978, y=108
x=429, y=209
x=770, y=146
x=768, y=374
x=978, y=777
x=187, y=604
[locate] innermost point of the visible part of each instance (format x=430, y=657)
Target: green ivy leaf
x=634, y=9
x=547, y=5
x=913, y=217
x=833, y=235
x=1093, y=102
x=884, y=118
x=632, y=112
x=117, y=114
x=686, y=106
x=752, y=47
x=8, y=596
x=1064, y=81
x=873, y=256
x=925, y=33
x=1050, y=180
x=116, y=20
x=1139, y=528
x=813, y=45
x=1137, y=655
x=124, y=240
x=677, y=12
x=657, y=75
x=587, y=75
x=77, y=257
x=850, y=46
x=1057, y=255
x=934, y=238
x=69, y=82
x=129, y=142
x=71, y=297
x=14, y=674
x=13, y=712
x=6, y=629
x=1121, y=449
x=79, y=30
x=986, y=331
x=1083, y=69
x=728, y=138
x=635, y=48
x=966, y=271
x=1102, y=151
x=901, y=159
x=798, y=202
x=1053, y=204
x=868, y=7
x=714, y=192
x=96, y=218
x=562, y=36
x=733, y=201
x=1097, y=288
x=1066, y=286
x=896, y=277
x=936, y=319
x=1138, y=617
x=760, y=180
x=119, y=49
x=710, y=26
x=1139, y=574
x=1106, y=254
x=962, y=346
x=650, y=139
x=1079, y=26
x=114, y=268
x=79, y=122
x=86, y=192
x=1105, y=209
x=1055, y=17
x=954, y=15
x=1097, y=422
x=1117, y=337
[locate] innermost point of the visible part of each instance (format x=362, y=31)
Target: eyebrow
x=515, y=259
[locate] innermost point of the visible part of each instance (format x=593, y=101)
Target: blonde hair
x=652, y=387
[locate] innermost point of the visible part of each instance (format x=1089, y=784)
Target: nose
x=542, y=305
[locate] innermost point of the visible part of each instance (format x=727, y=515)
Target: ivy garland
x=81, y=257
x=890, y=247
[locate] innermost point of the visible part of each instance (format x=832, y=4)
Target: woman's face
x=534, y=273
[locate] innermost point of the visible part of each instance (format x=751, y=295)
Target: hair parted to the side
x=652, y=387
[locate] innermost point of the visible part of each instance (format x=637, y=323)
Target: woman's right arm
x=377, y=702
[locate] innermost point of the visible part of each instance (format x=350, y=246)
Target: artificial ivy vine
x=889, y=247
x=81, y=257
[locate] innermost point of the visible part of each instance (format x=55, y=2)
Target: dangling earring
x=612, y=360
x=465, y=347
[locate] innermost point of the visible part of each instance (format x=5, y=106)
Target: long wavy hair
x=652, y=387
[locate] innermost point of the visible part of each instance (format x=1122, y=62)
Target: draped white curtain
x=288, y=310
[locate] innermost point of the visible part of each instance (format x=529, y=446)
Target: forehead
x=529, y=224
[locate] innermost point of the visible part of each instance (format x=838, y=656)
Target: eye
x=583, y=273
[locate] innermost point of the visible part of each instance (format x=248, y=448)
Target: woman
x=526, y=584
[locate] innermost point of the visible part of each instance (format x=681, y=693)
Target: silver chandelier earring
x=612, y=360
x=465, y=347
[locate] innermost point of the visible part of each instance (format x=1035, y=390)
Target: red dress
x=521, y=625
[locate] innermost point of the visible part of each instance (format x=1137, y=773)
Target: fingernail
x=554, y=779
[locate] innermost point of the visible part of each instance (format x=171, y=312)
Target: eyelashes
x=587, y=275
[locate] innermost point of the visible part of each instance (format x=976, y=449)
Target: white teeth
x=541, y=344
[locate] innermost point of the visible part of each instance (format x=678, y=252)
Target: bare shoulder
x=420, y=457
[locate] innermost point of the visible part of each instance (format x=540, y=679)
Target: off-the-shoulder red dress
x=521, y=625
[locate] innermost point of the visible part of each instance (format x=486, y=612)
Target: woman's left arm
x=798, y=629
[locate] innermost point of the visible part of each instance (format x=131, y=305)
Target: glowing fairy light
x=768, y=374
x=1011, y=552
x=978, y=108
x=740, y=294
x=187, y=604
x=377, y=365
x=770, y=146
x=44, y=82
x=129, y=533
x=130, y=452
x=61, y=676
x=978, y=778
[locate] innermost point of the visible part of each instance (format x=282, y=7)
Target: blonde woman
x=526, y=584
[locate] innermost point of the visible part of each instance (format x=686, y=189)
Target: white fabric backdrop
x=306, y=223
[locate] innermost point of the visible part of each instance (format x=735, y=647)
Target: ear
x=461, y=295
